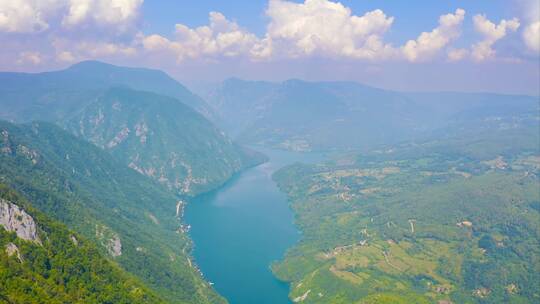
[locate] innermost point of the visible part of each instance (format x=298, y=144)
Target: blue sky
x=480, y=45
x=413, y=18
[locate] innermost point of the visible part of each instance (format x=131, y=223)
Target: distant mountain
x=303, y=115
x=133, y=219
x=52, y=96
x=41, y=261
x=161, y=138
x=159, y=129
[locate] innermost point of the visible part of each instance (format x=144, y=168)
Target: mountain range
x=98, y=161
x=300, y=115
x=159, y=129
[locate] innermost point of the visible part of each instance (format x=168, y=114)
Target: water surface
x=241, y=228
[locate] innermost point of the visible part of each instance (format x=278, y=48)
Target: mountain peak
x=91, y=64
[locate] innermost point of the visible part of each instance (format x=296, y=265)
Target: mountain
x=135, y=221
x=53, y=96
x=42, y=261
x=161, y=138
x=301, y=115
x=159, y=129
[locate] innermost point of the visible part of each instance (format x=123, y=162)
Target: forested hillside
x=56, y=265
x=132, y=218
x=451, y=220
x=161, y=138
x=144, y=117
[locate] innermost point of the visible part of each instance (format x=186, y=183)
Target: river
x=242, y=227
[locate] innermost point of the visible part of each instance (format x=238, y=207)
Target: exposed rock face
x=12, y=249
x=13, y=218
x=110, y=240
x=115, y=246
x=161, y=138
x=74, y=240
x=120, y=137
x=32, y=155
x=4, y=142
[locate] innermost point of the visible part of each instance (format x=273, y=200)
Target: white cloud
x=457, y=54
x=73, y=30
x=429, y=43
x=316, y=27
x=65, y=56
x=119, y=13
x=33, y=58
x=531, y=36
x=326, y=28
x=221, y=37
x=31, y=16
x=69, y=51
x=491, y=33
x=26, y=16
x=68, y=30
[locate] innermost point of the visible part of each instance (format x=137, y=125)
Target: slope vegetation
x=131, y=218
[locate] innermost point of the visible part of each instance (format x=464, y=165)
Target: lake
x=241, y=228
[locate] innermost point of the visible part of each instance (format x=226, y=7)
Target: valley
x=241, y=228
x=269, y=152
x=301, y=115
x=302, y=192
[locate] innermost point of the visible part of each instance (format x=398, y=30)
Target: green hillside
x=57, y=95
x=132, y=218
x=161, y=138
x=62, y=267
x=455, y=220
x=144, y=117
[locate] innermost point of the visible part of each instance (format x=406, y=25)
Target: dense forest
x=444, y=221
x=63, y=267
x=131, y=217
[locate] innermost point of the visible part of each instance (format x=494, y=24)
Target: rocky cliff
x=13, y=218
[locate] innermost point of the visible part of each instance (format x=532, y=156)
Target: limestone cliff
x=13, y=218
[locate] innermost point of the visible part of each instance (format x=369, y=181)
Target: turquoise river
x=241, y=228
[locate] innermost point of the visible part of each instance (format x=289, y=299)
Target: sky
x=423, y=45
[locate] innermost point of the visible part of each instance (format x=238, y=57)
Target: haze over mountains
x=56, y=95
x=303, y=115
x=130, y=217
x=159, y=134
x=98, y=161
x=114, y=165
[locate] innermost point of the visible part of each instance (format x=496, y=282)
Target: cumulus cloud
x=120, y=13
x=69, y=51
x=531, y=36
x=31, y=16
x=73, y=30
x=491, y=33
x=68, y=30
x=326, y=28
x=32, y=58
x=65, y=56
x=221, y=37
x=26, y=16
x=457, y=54
x=429, y=43
x=531, y=24
x=315, y=27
